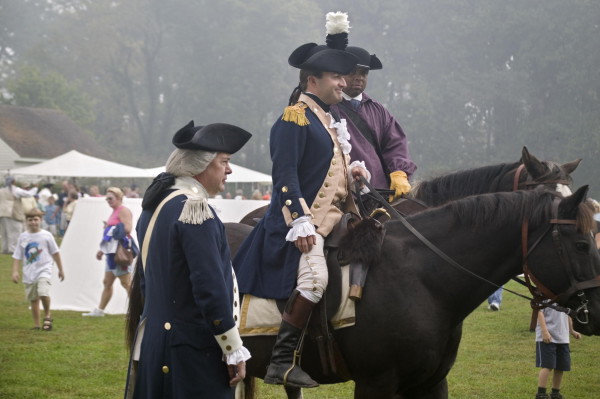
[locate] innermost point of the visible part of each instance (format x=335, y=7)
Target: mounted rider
x=283, y=258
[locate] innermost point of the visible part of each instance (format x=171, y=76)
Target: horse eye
x=583, y=246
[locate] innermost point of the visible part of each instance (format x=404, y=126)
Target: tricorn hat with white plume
x=331, y=57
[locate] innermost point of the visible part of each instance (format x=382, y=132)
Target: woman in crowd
x=118, y=227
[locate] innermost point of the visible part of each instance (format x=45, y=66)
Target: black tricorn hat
x=321, y=58
x=216, y=137
x=365, y=59
x=331, y=57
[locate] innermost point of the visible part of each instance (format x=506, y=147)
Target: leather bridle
x=542, y=295
x=527, y=184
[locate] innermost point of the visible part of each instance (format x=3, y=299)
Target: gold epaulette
x=296, y=113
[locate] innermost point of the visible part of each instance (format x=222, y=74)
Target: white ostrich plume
x=336, y=22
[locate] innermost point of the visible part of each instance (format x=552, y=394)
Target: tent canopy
x=239, y=175
x=76, y=164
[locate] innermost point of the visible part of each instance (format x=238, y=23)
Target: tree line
x=471, y=82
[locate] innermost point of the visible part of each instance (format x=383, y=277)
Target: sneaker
x=542, y=396
x=556, y=396
x=494, y=306
x=94, y=313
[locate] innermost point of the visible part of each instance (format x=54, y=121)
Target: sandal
x=47, y=326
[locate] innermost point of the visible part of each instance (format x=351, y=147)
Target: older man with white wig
x=186, y=342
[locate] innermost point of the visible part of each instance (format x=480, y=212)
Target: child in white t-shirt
x=552, y=353
x=37, y=249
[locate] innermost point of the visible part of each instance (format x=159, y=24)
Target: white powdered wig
x=188, y=162
x=337, y=22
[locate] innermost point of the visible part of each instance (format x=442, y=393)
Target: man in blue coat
x=283, y=257
x=187, y=344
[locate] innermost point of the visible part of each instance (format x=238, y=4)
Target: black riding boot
x=284, y=367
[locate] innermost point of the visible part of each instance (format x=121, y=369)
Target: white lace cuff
x=360, y=164
x=240, y=355
x=301, y=227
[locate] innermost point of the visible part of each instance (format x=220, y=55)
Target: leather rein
x=541, y=295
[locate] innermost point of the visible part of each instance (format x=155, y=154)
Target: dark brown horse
x=408, y=324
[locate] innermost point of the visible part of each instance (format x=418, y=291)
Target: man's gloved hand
x=399, y=183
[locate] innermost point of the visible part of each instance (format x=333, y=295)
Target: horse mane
x=475, y=181
x=493, y=210
x=486, y=179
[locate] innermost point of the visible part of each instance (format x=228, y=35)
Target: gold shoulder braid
x=296, y=113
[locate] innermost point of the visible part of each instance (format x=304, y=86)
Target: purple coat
x=388, y=133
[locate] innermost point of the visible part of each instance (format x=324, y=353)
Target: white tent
x=81, y=289
x=239, y=175
x=76, y=164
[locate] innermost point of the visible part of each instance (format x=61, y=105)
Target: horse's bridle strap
x=518, y=176
x=563, y=221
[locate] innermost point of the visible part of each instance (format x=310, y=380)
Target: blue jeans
x=496, y=297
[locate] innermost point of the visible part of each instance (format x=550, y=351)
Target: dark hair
x=304, y=75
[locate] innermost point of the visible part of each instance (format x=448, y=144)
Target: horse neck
x=492, y=255
x=487, y=179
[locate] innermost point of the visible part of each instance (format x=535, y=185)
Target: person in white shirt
x=37, y=250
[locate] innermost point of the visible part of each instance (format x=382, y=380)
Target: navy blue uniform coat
x=266, y=265
x=188, y=299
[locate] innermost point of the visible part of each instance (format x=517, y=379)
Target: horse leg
x=379, y=387
x=439, y=391
x=293, y=393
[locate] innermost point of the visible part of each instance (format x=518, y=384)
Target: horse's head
x=563, y=262
x=553, y=176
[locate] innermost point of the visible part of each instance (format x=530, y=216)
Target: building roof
x=44, y=133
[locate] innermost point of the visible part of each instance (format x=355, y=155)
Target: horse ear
x=570, y=167
x=570, y=204
x=534, y=167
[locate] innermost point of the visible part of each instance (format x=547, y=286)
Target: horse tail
x=136, y=304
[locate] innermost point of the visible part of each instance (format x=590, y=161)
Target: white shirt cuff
x=301, y=227
x=240, y=355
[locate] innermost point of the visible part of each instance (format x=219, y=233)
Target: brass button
x=321, y=194
x=326, y=184
x=228, y=347
x=235, y=304
x=217, y=323
x=333, y=161
x=167, y=326
x=294, y=215
x=284, y=189
x=224, y=337
x=165, y=369
x=330, y=174
x=314, y=288
x=288, y=202
x=235, y=317
x=314, y=281
x=316, y=206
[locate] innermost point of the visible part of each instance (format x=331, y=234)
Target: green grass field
x=86, y=357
